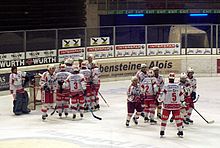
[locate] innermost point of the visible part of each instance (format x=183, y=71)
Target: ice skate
x=152, y=122
x=135, y=120
x=161, y=134
x=180, y=134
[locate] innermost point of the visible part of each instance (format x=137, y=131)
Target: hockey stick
x=209, y=122
x=103, y=99
x=55, y=108
x=99, y=118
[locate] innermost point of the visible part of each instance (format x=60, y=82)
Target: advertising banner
x=163, y=49
x=201, y=51
x=99, y=41
x=71, y=43
x=101, y=52
x=73, y=53
x=130, y=67
x=41, y=57
x=12, y=59
x=130, y=50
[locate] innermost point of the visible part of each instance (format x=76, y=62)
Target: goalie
x=17, y=82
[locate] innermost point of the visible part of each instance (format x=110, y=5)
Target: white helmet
x=62, y=67
x=91, y=55
x=171, y=75
x=150, y=73
x=94, y=63
x=84, y=64
x=80, y=59
x=134, y=78
x=190, y=69
x=183, y=75
x=68, y=61
x=155, y=68
x=143, y=66
x=76, y=68
x=51, y=67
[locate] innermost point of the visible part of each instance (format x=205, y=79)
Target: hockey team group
x=68, y=88
x=148, y=93
x=74, y=88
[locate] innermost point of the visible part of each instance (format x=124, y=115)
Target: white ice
x=111, y=132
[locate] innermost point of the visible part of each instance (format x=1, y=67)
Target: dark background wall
x=37, y=14
x=152, y=19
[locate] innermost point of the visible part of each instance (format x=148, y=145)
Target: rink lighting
x=198, y=14
x=135, y=15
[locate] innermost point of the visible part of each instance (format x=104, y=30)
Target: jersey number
x=75, y=85
x=174, y=97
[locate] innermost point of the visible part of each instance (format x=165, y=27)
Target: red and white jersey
x=96, y=75
x=75, y=82
x=49, y=80
x=134, y=93
x=149, y=87
x=187, y=89
x=15, y=81
x=141, y=75
x=171, y=96
x=69, y=69
x=160, y=81
x=86, y=73
x=89, y=65
x=61, y=76
x=193, y=83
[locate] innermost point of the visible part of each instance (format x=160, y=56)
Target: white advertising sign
x=41, y=57
x=201, y=51
x=100, y=41
x=100, y=52
x=41, y=53
x=12, y=59
x=71, y=43
x=130, y=50
x=163, y=49
x=73, y=53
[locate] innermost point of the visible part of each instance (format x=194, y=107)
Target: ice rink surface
x=111, y=132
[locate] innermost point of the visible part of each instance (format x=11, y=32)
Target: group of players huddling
x=72, y=87
x=148, y=92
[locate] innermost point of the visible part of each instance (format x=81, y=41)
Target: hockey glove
x=193, y=95
x=60, y=82
x=46, y=88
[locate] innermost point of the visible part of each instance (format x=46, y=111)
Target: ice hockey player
x=95, y=83
x=76, y=83
x=187, y=92
x=160, y=83
x=62, y=93
x=69, y=65
x=142, y=73
x=171, y=97
x=133, y=101
x=88, y=92
x=90, y=60
x=150, y=89
x=48, y=86
x=80, y=60
x=20, y=96
x=189, y=101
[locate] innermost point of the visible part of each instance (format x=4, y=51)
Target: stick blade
x=210, y=122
